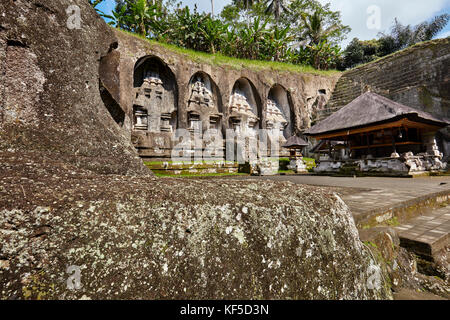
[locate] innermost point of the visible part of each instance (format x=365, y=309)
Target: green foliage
x=94, y=4
x=138, y=16
x=267, y=30
x=399, y=37
x=358, y=52
x=322, y=56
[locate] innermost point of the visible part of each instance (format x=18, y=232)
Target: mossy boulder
x=154, y=238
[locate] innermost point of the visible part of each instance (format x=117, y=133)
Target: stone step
x=428, y=234
x=403, y=211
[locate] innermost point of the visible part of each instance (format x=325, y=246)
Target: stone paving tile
x=367, y=194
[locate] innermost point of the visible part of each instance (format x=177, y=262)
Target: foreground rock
x=408, y=277
x=168, y=238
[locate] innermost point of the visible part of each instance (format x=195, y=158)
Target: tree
x=401, y=36
x=276, y=45
x=213, y=31
x=252, y=38
x=316, y=28
x=247, y=4
x=276, y=8
x=137, y=16
x=142, y=14
x=358, y=52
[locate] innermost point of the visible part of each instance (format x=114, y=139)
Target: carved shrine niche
x=243, y=110
x=278, y=112
x=154, y=110
x=203, y=110
x=154, y=105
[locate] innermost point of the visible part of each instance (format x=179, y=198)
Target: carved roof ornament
x=274, y=115
x=201, y=94
x=152, y=78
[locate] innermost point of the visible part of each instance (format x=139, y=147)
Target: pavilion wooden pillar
x=393, y=141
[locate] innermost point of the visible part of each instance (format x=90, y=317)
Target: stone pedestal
x=268, y=167
x=298, y=165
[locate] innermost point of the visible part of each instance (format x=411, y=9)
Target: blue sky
x=354, y=13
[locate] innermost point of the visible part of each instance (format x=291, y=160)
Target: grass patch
x=198, y=175
x=150, y=163
x=235, y=63
x=393, y=222
x=284, y=172
x=371, y=244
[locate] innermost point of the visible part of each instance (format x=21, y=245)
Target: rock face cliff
x=417, y=77
x=80, y=217
x=49, y=87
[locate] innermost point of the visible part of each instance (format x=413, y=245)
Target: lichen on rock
x=169, y=238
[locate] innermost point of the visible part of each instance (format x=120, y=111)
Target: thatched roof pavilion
x=375, y=125
x=371, y=111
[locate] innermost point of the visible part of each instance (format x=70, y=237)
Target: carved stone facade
x=160, y=91
x=406, y=164
x=243, y=112
x=154, y=117
x=203, y=111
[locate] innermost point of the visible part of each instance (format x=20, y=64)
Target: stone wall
x=418, y=77
x=302, y=93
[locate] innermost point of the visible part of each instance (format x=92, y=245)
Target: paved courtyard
x=367, y=194
x=426, y=233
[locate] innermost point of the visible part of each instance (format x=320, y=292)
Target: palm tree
x=246, y=4
x=313, y=25
x=212, y=8
x=276, y=7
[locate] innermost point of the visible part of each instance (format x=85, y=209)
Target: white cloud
x=354, y=13
x=444, y=34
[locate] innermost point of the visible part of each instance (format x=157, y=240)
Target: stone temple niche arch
x=278, y=113
x=154, y=107
x=244, y=108
x=204, y=108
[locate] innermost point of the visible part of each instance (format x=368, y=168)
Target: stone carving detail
x=276, y=123
x=407, y=163
x=150, y=110
x=203, y=112
x=201, y=93
x=243, y=119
